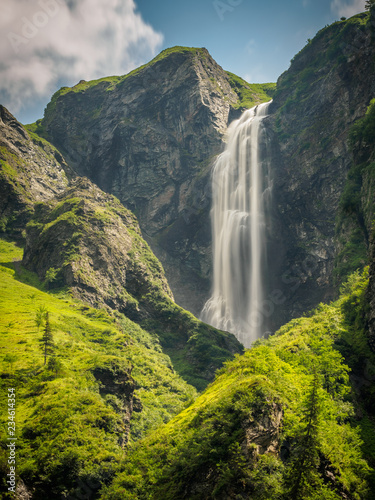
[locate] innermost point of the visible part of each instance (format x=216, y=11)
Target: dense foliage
x=278, y=422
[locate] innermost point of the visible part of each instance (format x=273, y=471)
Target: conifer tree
x=303, y=475
x=46, y=341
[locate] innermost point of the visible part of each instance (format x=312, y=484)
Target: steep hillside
x=86, y=240
x=278, y=422
x=107, y=383
x=31, y=170
x=327, y=88
x=150, y=138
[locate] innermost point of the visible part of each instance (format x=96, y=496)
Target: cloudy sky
x=46, y=44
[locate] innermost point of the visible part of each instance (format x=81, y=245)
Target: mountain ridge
x=151, y=139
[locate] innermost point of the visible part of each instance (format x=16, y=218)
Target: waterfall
x=241, y=191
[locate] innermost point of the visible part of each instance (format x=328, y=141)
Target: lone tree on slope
x=46, y=341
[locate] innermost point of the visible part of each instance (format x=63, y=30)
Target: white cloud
x=44, y=42
x=347, y=8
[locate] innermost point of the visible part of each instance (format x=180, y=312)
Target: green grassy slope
x=217, y=448
x=105, y=260
x=250, y=94
x=68, y=432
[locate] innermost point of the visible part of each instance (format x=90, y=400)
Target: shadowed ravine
x=241, y=196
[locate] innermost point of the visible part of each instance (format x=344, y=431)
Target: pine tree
x=369, y=4
x=47, y=339
x=303, y=475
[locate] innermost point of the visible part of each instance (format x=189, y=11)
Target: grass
x=81, y=223
x=250, y=94
x=68, y=431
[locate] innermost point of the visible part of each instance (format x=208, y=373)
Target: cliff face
x=150, y=138
x=102, y=256
x=116, y=381
x=31, y=171
x=327, y=88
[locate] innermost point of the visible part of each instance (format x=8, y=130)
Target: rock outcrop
x=31, y=171
x=117, y=386
x=101, y=254
x=263, y=433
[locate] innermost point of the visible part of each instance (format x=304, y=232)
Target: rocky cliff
x=326, y=89
x=150, y=138
x=31, y=171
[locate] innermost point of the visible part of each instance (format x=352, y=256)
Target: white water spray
x=241, y=193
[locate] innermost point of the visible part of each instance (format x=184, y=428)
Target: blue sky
x=47, y=44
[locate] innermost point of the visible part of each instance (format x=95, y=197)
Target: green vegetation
x=317, y=59
x=250, y=94
x=277, y=423
x=357, y=206
x=363, y=131
x=71, y=431
x=47, y=343
x=94, y=228
x=196, y=349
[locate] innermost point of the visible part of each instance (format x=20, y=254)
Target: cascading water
x=241, y=194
